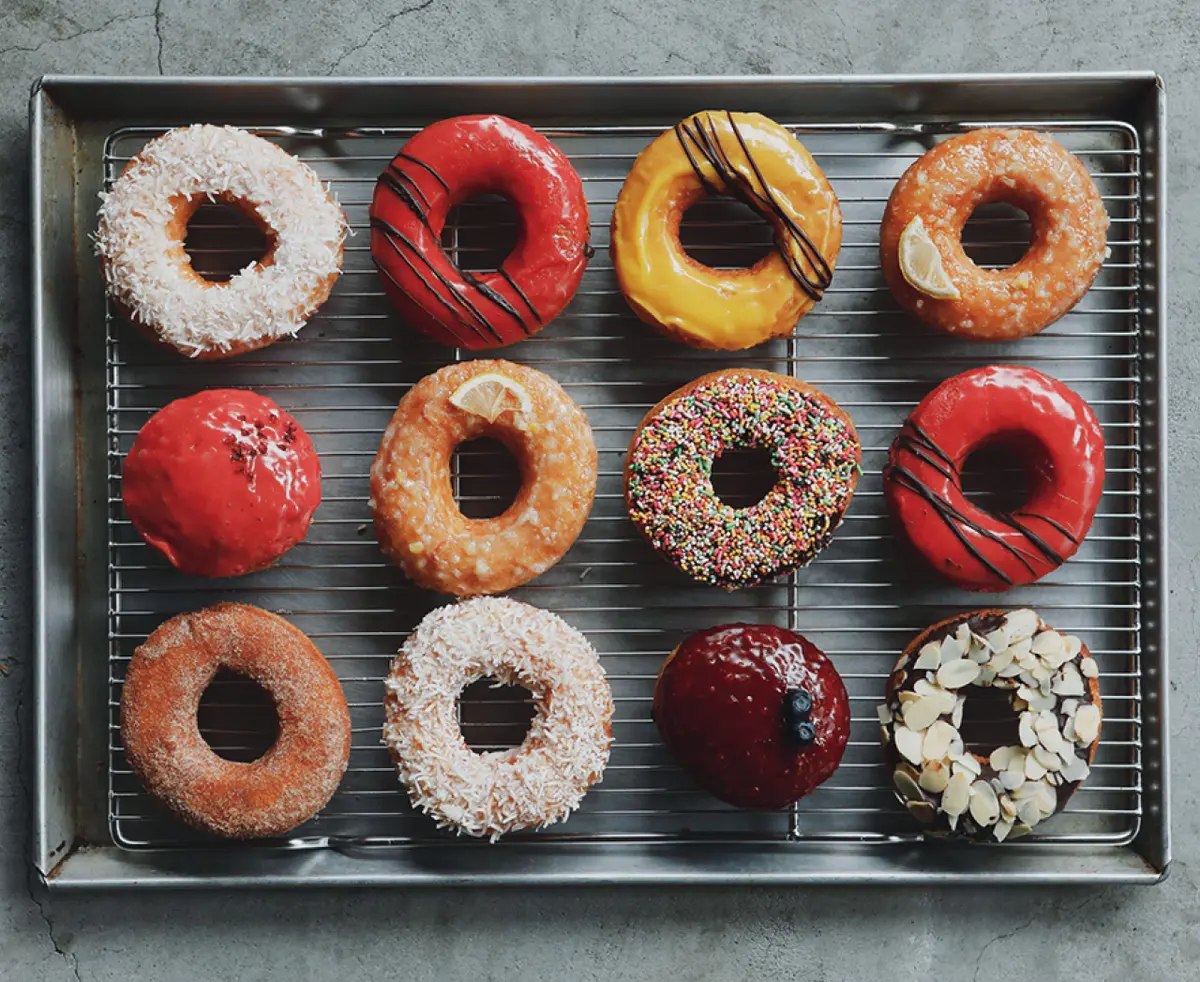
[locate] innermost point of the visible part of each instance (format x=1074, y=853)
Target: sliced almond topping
x=1047, y=800
x=885, y=714
x=1051, y=739
x=1034, y=769
x=922, y=811
x=1029, y=813
x=1001, y=660
x=1089, y=668
x=908, y=742
x=1048, y=760
x=937, y=740
x=906, y=784
x=979, y=654
x=1002, y=830
x=951, y=650
x=1076, y=769
x=1020, y=624
x=957, y=795
x=1019, y=830
x=997, y=640
x=966, y=764
x=985, y=806
x=907, y=695
x=1069, y=682
x=1026, y=791
x=956, y=714
x=956, y=674
x=918, y=715
x=1041, y=701
x=1072, y=645
x=935, y=775
x=1009, y=671
x=1069, y=733
x=1008, y=807
x=1087, y=724
x=1026, y=730
x=1000, y=757
x=1013, y=779
x=929, y=658
x=1047, y=643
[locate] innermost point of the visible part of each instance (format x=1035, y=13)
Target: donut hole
x=485, y=478
x=989, y=720
x=481, y=232
x=221, y=240
x=997, y=235
x=237, y=717
x=494, y=716
x=723, y=233
x=743, y=476
x=995, y=479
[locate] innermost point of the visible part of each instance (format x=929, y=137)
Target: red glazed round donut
x=222, y=482
x=755, y=713
x=1057, y=437
x=452, y=161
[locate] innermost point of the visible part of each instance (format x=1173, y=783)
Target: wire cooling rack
x=861, y=601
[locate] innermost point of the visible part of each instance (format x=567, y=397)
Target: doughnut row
x=224, y=482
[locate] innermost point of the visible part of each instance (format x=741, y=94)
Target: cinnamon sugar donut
x=531, y=786
x=418, y=523
x=169, y=673
x=1030, y=170
x=143, y=222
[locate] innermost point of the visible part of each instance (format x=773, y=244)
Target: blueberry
x=797, y=704
x=802, y=733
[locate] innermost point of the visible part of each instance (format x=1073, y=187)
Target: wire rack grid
x=861, y=600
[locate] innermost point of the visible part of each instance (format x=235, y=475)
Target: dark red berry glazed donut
x=756, y=714
x=222, y=482
x=452, y=161
x=1059, y=440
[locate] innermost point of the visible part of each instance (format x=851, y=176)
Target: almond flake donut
x=1030, y=170
x=165, y=680
x=143, y=222
x=531, y=786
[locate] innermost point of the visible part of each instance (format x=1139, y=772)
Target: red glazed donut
x=755, y=713
x=452, y=161
x=1062, y=447
x=222, y=482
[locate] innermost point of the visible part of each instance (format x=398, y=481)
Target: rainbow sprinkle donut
x=668, y=475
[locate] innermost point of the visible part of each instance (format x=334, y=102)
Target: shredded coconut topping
x=531, y=786
x=144, y=263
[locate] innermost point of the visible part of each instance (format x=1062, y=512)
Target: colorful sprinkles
x=670, y=493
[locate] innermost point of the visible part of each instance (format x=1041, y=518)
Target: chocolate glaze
x=707, y=143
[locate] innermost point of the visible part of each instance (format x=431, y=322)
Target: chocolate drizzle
x=702, y=140
x=914, y=440
x=462, y=309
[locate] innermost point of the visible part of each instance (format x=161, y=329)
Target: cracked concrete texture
x=1100, y=934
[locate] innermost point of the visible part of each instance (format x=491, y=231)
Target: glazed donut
x=1029, y=170
x=531, y=786
x=754, y=159
x=1052, y=690
x=143, y=222
x=452, y=161
x=417, y=521
x=1057, y=437
x=166, y=677
x=668, y=475
x=222, y=482
x=755, y=713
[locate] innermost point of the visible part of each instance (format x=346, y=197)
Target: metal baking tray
x=99, y=590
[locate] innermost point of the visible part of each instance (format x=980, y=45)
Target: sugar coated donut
x=1059, y=441
x=452, y=161
x=668, y=475
x=222, y=482
x=536, y=784
x=756, y=713
x=418, y=523
x=1029, y=170
x=1000, y=792
x=165, y=679
x=754, y=159
x=143, y=222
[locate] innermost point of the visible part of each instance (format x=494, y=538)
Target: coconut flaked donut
x=166, y=677
x=1000, y=792
x=143, y=221
x=536, y=784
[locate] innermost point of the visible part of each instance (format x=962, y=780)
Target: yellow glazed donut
x=752, y=158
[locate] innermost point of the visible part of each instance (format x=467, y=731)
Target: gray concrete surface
x=1077, y=934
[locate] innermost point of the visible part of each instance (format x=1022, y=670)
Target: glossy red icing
x=1057, y=437
x=223, y=482
x=719, y=706
x=452, y=161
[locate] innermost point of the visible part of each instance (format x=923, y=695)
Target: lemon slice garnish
x=921, y=263
x=491, y=394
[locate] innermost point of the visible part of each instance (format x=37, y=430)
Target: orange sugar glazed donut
x=418, y=523
x=166, y=677
x=1029, y=170
x=143, y=222
x=754, y=159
